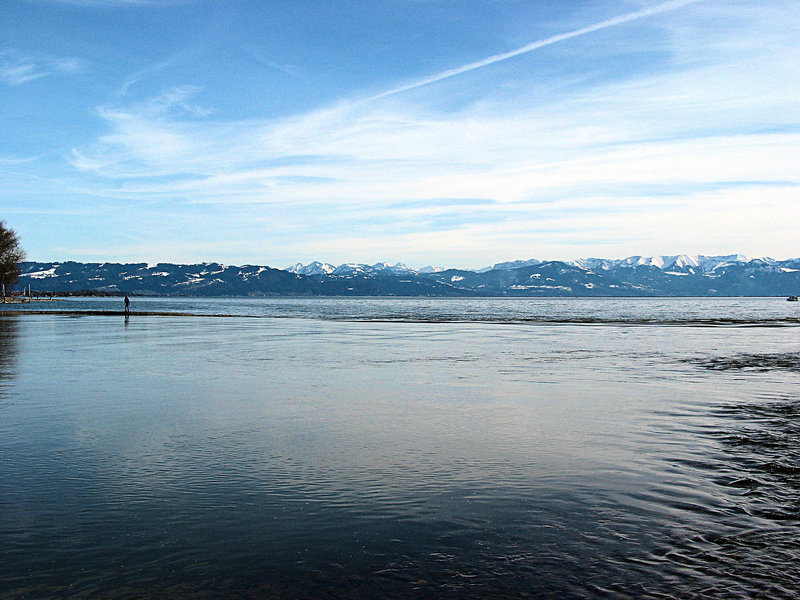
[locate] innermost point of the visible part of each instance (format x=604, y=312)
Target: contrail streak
x=639, y=14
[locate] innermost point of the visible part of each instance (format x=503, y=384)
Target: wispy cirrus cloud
x=656, y=157
x=18, y=160
x=555, y=39
x=18, y=68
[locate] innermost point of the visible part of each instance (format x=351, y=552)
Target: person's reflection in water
x=9, y=346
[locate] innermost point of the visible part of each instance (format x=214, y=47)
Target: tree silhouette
x=10, y=254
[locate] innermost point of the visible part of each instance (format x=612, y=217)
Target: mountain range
x=679, y=275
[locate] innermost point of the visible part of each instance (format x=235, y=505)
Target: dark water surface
x=355, y=453
x=632, y=311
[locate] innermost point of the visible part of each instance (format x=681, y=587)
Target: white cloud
x=659, y=159
x=18, y=160
x=649, y=11
x=18, y=68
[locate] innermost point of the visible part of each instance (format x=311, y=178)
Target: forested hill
x=636, y=276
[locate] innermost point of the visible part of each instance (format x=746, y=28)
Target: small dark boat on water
x=792, y=299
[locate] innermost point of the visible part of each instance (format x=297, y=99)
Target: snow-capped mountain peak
x=679, y=262
x=395, y=268
x=514, y=264
x=349, y=269
x=429, y=269
x=312, y=268
x=675, y=275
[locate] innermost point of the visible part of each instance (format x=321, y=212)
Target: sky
x=430, y=132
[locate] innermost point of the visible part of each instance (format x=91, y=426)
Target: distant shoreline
x=26, y=300
x=109, y=313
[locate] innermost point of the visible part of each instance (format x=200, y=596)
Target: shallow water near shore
x=631, y=311
x=420, y=448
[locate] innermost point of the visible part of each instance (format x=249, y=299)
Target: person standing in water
x=127, y=305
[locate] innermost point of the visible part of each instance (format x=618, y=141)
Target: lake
x=400, y=448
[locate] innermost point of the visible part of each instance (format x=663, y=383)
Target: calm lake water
x=401, y=448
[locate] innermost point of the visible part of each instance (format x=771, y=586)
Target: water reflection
x=250, y=458
x=9, y=347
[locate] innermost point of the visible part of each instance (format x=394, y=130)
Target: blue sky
x=429, y=132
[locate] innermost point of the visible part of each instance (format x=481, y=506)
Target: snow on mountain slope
x=312, y=268
x=679, y=275
x=678, y=263
x=682, y=263
x=351, y=269
x=514, y=264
